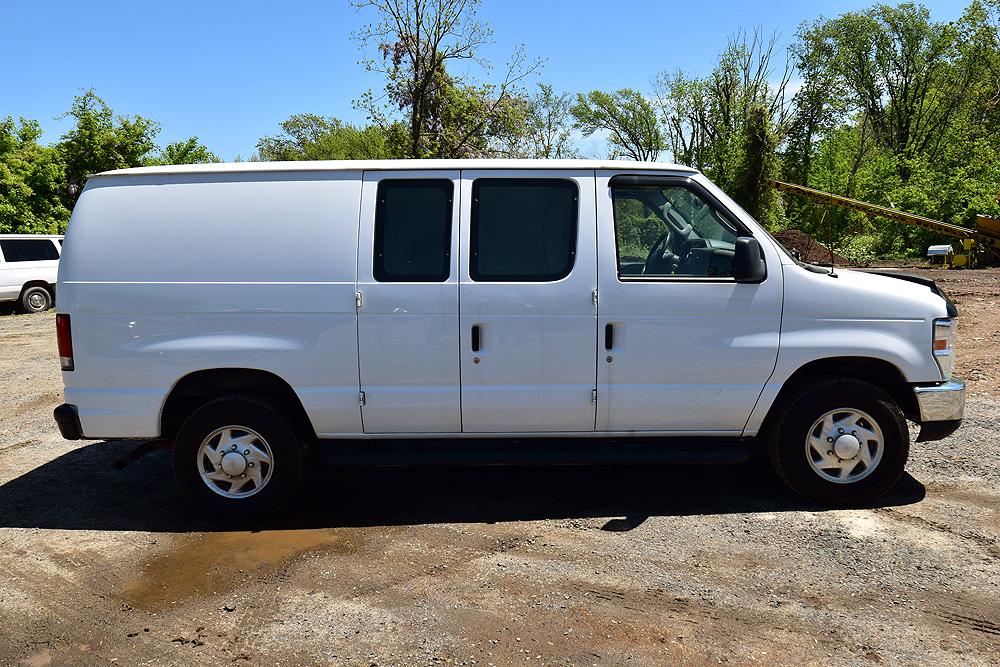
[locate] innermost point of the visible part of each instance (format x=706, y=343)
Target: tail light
x=64, y=338
x=944, y=346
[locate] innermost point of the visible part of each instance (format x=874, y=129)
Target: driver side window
x=670, y=231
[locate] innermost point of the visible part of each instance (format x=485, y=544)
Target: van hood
x=853, y=294
x=920, y=280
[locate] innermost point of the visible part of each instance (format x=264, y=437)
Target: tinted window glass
x=523, y=229
x=28, y=250
x=413, y=231
x=671, y=230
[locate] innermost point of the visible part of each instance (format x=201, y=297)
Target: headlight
x=944, y=346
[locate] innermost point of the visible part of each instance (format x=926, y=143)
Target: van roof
x=7, y=237
x=393, y=165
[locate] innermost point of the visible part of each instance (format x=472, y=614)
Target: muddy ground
x=551, y=566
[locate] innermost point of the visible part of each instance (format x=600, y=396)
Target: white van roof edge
x=392, y=165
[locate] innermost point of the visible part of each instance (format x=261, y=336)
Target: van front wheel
x=841, y=442
x=237, y=456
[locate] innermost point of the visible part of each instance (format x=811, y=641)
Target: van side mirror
x=748, y=261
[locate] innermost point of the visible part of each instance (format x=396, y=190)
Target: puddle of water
x=217, y=563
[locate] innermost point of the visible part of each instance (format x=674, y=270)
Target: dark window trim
x=49, y=240
x=378, y=272
x=633, y=181
x=474, y=274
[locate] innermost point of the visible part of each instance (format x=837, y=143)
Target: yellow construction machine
x=970, y=247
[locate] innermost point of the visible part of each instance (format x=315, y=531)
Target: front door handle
x=475, y=338
x=609, y=336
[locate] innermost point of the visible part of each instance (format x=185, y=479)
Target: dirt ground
x=550, y=566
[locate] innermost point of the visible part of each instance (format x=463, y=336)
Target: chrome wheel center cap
x=846, y=447
x=233, y=463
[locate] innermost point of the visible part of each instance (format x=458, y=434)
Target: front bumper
x=941, y=407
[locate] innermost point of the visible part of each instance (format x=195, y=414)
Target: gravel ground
x=551, y=566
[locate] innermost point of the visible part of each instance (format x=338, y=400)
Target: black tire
x=787, y=442
x=35, y=299
x=247, y=413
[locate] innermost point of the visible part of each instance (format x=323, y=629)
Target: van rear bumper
x=68, y=419
x=941, y=409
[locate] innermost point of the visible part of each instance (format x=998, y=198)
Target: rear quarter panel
x=167, y=275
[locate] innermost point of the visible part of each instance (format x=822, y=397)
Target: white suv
x=572, y=311
x=28, y=267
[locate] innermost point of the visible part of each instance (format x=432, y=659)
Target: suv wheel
x=238, y=456
x=35, y=299
x=841, y=442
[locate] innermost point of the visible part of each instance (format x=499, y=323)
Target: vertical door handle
x=475, y=338
x=609, y=336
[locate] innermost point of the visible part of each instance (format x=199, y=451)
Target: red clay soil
x=808, y=248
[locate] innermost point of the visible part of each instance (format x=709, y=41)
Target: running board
x=533, y=451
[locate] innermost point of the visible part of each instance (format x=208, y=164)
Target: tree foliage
x=445, y=115
x=313, y=137
x=627, y=119
x=100, y=141
x=730, y=123
x=186, y=152
x=899, y=110
x=32, y=181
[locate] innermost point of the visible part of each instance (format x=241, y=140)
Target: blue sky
x=230, y=72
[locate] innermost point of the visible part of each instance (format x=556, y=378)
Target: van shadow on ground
x=82, y=490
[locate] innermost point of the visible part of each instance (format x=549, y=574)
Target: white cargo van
x=28, y=267
x=500, y=311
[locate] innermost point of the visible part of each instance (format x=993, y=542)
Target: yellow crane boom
x=986, y=233
x=956, y=231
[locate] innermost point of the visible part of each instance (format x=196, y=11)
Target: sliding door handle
x=609, y=336
x=475, y=338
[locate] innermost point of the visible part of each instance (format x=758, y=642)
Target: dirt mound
x=808, y=248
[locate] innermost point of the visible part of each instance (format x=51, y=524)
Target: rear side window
x=28, y=250
x=413, y=230
x=522, y=229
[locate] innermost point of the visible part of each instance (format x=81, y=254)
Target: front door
x=528, y=319
x=685, y=348
x=408, y=315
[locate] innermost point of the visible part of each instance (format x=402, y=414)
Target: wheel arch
x=38, y=283
x=878, y=372
x=199, y=387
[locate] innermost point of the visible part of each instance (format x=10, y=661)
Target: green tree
x=32, y=181
x=705, y=119
x=546, y=128
x=444, y=115
x=899, y=68
x=186, y=152
x=99, y=141
x=314, y=137
x=899, y=110
x=759, y=163
x=628, y=118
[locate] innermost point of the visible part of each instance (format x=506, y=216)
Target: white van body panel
x=852, y=314
x=688, y=355
x=15, y=275
x=173, y=275
x=536, y=366
x=408, y=333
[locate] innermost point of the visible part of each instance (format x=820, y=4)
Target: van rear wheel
x=841, y=442
x=238, y=457
x=35, y=299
